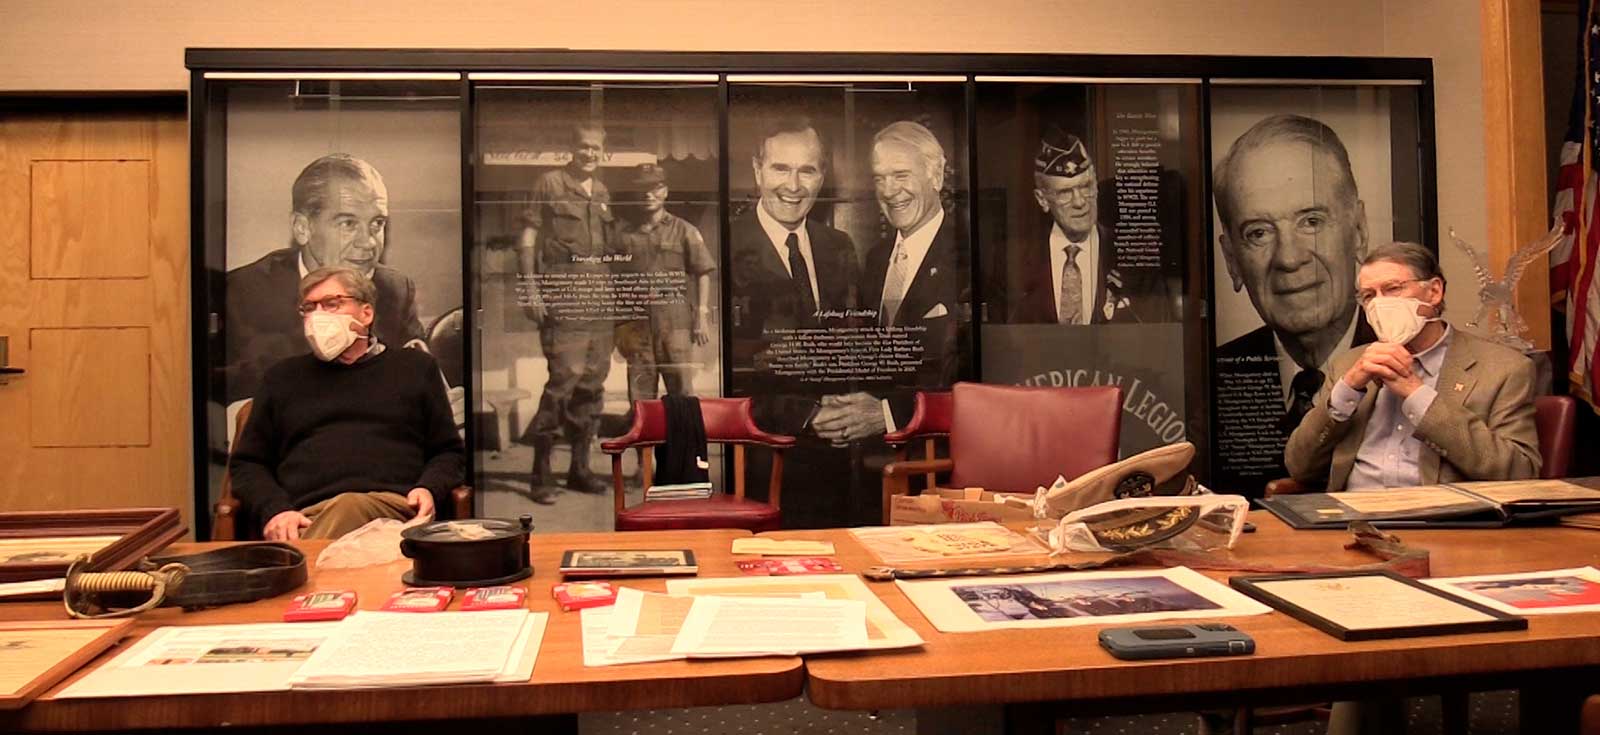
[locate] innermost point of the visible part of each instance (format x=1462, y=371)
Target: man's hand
x=700, y=332
x=1380, y=361
x=285, y=526
x=846, y=418
x=422, y=500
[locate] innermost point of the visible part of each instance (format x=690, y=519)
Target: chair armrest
x=223, y=516
x=1286, y=486
x=909, y=467
x=461, y=497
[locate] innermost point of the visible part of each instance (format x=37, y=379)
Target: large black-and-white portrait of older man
x=1300, y=189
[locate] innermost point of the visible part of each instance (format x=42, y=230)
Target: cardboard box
x=950, y=505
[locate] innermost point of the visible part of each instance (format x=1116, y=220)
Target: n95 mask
x=330, y=334
x=1394, y=319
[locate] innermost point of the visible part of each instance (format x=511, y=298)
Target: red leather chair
x=1555, y=419
x=728, y=421
x=1012, y=439
x=930, y=422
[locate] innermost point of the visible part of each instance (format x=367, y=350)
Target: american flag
x=1574, y=287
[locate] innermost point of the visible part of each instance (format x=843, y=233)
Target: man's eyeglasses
x=1390, y=288
x=330, y=303
x=1084, y=191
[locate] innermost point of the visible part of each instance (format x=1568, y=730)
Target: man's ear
x=1229, y=261
x=367, y=316
x=1044, y=203
x=300, y=229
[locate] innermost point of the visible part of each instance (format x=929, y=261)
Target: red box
x=329, y=605
x=503, y=597
x=420, y=599
x=579, y=595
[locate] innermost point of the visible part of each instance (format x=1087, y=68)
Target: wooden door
x=94, y=305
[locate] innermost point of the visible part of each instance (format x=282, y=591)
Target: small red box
x=420, y=599
x=579, y=595
x=503, y=597
x=786, y=566
x=331, y=605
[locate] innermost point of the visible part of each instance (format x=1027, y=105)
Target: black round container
x=473, y=552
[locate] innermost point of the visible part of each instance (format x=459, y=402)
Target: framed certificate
x=38, y=654
x=40, y=544
x=1360, y=606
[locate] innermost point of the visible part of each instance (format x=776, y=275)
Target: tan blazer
x=1481, y=426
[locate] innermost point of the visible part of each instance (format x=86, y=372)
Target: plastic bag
x=1202, y=522
x=374, y=544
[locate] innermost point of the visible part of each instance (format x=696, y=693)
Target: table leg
x=973, y=720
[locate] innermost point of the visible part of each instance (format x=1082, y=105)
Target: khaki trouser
x=346, y=512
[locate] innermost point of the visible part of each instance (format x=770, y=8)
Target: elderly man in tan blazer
x=1424, y=404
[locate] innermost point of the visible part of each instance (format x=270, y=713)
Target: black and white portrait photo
x=850, y=274
x=598, y=223
x=1085, y=220
x=1302, y=185
x=356, y=173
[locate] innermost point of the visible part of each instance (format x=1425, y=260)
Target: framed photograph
x=40, y=544
x=1530, y=593
x=627, y=562
x=1362, y=606
x=1074, y=598
x=38, y=654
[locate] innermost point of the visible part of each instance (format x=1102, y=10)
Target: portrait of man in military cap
x=1071, y=275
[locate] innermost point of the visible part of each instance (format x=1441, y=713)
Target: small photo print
x=1077, y=599
x=626, y=559
x=1535, y=592
x=1530, y=593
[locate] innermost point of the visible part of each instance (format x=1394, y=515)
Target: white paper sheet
x=601, y=649
x=374, y=648
x=746, y=626
x=206, y=659
x=884, y=630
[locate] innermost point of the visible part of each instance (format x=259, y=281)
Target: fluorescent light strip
x=496, y=76
x=1317, y=82
x=337, y=75
x=1090, y=80
x=833, y=79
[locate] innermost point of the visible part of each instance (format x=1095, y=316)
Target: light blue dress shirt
x=1390, y=448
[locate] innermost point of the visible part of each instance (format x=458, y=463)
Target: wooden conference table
x=1036, y=674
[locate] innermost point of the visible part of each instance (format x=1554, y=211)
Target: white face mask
x=1394, y=319
x=330, y=334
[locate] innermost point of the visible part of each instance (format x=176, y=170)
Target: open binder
x=1450, y=505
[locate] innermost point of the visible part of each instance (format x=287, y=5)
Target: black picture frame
x=1256, y=586
x=633, y=563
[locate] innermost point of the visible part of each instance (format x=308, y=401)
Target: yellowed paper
x=1400, y=500
x=26, y=654
x=1371, y=602
x=985, y=539
x=53, y=549
x=781, y=547
x=1514, y=491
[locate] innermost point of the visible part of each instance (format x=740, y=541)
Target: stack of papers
x=684, y=491
x=367, y=649
x=752, y=616
x=374, y=649
x=649, y=626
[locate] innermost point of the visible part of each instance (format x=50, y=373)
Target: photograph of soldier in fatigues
x=663, y=247
x=565, y=236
